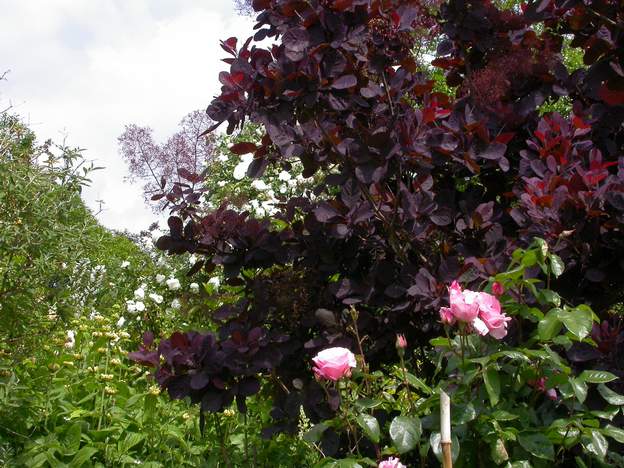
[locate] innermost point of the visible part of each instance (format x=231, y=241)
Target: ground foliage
x=419, y=188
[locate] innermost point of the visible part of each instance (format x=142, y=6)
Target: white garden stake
x=445, y=429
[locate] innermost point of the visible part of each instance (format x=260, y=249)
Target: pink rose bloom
x=497, y=289
x=334, y=363
x=490, y=314
x=464, y=305
x=391, y=463
x=447, y=316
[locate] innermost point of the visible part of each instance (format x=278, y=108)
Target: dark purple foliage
x=420, y=188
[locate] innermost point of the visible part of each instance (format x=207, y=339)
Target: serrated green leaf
x=596, y=444
x=83, y=456
x=580, y=389
x=418, y=383
x=405, y=433
x=614, y=432
x=370, y=426
x=498, y=452
x=314, y=434
x=556, y=265
x=610, y=396
x=549, y=326
x=578, y=321
x=537, y=444
x=597, y=376
x=492, y=385
x=367, y=403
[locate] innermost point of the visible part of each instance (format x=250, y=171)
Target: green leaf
x=498, y=452
x=580, y=389
x=418, y=383
x=614, y=432
x=520, y=464
x=130, y=440
x=578, y=321
x=549, y=326
x=370, y=426
x=83, y=456
x=529, y=258
x=597, y=376
x=463, y=413
x=547, y=296
x=537, y=444
x=556, y=265
x=367, y=403
x=502, y=415
x=596, y=444
x=610, y=396
x=436, y=446
x=314, y=434
x=405, y=433
x=492, y=385
x=72, y=439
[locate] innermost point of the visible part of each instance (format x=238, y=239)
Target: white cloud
x=82, y=70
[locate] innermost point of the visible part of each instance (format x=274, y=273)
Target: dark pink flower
x=447, y=316
x=401, y=342
x=497, y=289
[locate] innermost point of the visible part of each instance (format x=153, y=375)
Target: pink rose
x=464, y=305
x=334, y=363
x=447, y=316
x=490, y=314
x=391, y=463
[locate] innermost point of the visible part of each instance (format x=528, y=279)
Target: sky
x=79, y=70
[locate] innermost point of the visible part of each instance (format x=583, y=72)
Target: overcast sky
x=82, y=69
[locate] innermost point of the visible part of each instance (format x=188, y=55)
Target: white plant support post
x=445, y=429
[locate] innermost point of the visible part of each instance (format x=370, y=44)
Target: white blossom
x=259, y=185
x=222, y=158
x=175, y=304
x=121, y=321
x=131, y=307
x=241, y=168
x=125, y=264
x=140, y=306
x=173, y=284
x=192, y=259
x=194, y=287
x=160, y=278
x=214, y=281
x=139, y=294
x=221, y=183
x=157, y=298
x=70, y=341
x=285, y=176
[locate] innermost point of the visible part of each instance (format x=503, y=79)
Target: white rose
x=175, y=304
x=139, y=306
x=139, y=294
x=157, y=298
x=173, y=284
x=160, y=278
x=259, y=185
x=194, y=288
x=285, y=176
